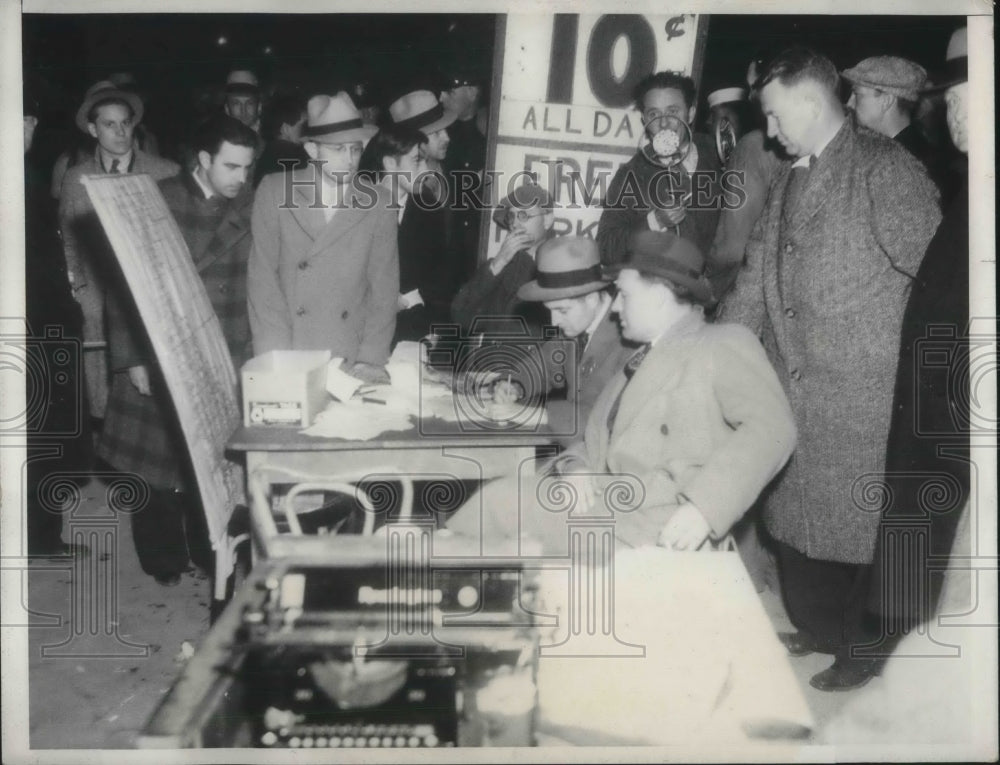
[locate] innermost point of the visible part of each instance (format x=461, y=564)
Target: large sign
x=566, y=116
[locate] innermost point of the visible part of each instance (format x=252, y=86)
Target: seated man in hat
x=109, y=115
x=324, y=266
x=526, y=214
x=696, y=420
x=569, y=284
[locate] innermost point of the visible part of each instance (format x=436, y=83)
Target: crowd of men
x=751, y=366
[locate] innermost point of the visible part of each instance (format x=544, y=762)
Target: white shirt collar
x=605, y=307
x=206, y=190
x=105, y=160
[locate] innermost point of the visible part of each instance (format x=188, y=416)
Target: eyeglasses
x=520, y=216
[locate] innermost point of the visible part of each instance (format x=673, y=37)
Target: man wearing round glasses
x=646, y=196
x=526, y=214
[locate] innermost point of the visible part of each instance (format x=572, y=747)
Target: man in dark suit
x=645, y=196
x=211, y=206
x=568, y=281
x=829, y=268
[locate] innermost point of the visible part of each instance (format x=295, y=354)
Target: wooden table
x=450, y=454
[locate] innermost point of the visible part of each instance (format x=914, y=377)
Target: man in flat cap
x=324, y=265
x=569, y=283
x=109, y=115
x=884, y=95
x=526, y=214
x=696, y=414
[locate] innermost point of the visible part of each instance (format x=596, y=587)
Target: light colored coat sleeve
x=383, y=280
x=270, y=322
x=69, y=211
x=753, y=404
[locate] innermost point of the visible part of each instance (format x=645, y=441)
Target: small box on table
x=284, y=388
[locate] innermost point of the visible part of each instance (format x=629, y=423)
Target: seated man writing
x=697, y=420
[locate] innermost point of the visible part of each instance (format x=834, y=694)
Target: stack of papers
x=358, y=421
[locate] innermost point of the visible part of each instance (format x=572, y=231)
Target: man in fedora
x=931, y=418
x=829, y=267
x=526, y=214
x=324, y=266
x=428, y=277
x=569, y=283
x=109, y=115
x=697, y=415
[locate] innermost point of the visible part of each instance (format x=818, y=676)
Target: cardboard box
x=284, y=388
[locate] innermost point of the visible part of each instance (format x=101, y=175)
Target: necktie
x=581, y=345
x=114, y=166
x=796, y=184
x=635, y=360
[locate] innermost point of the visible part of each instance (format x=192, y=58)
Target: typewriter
x=349, y=647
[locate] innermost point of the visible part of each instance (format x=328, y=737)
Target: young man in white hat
x=727, y=105
x=428, y=277
x=109, y=115
x=696, y=416
x=569, y=283
x=324, y=267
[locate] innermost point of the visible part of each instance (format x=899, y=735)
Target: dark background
x=180, y=64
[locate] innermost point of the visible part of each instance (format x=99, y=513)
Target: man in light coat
x=324, y=267
x=696, y=422
x=109, y=115
x=829, y=267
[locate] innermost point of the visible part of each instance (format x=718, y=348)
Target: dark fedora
x=670, y=257
x=106, y=90
x=567, y=266
x=956, y=64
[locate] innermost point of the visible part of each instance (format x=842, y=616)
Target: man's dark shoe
x=847, y=674
x=797, y=643
x=168, y=580
x=62, y=550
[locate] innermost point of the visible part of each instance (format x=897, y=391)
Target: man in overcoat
x=696, y=421
x=211, y=206
x=324, y=267
x=829, y=267
x=109, y=115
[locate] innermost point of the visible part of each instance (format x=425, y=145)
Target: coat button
x=796, y=375
x=790, y=313
x=788, y=248
x=664, y=429
x=303, y=265
x=344, y=315
x=222, y=288
x=300, y=312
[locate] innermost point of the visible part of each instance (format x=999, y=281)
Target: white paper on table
x=412, y=299
x=358, y=421
x=340, y=384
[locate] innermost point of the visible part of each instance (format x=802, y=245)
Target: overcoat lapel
x=822, y=178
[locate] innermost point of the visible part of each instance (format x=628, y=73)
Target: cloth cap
x=566, y=266
x=101, y=91
x=522, y=198
x=725, y=96
x=662, y=254
x=421, y=109
x=335, y=119
x=889, y=74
